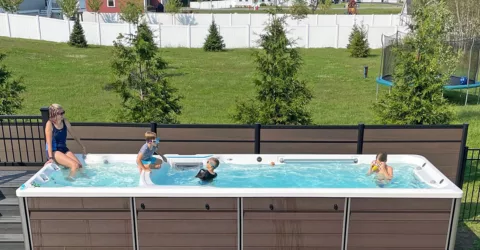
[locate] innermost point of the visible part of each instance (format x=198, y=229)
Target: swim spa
x=257, y=202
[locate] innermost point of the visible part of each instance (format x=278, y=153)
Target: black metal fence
x=20, y=135
x=470, y=210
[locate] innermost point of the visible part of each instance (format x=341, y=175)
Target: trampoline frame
x=469, y=85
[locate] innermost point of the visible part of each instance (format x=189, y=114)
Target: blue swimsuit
x=59, y=140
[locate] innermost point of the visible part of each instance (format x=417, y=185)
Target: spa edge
x=231, y=223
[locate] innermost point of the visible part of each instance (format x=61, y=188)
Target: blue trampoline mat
x=472, y=85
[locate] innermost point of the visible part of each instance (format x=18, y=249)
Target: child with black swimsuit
x=209, y=173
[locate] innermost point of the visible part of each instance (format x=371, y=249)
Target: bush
x=214, y=41
x=358, y=42
x=77, y=38
x=280, y=97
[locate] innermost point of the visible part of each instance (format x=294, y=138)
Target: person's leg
x=62, y=159
x=73, y=157
x=146, y=164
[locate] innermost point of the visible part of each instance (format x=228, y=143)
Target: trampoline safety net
x=468, y=64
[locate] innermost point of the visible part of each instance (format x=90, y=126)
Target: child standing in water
x=380, y=167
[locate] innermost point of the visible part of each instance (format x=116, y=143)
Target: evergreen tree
x=358, y=42
x=77, y=37
x=424, y=63
x=280, y=97
x=214, y=41
x=146, y=94
x=10, y=90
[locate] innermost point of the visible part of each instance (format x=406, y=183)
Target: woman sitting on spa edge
x=56, y=130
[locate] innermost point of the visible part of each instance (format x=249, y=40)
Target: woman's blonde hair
x=53, y=111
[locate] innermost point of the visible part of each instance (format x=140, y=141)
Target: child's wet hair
x=149, y=135
x=382, y=157
x=216, y=161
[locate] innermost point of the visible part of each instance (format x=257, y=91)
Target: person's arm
x=161, y=155
x=70, y=130
x=48, y=139
x=390, y=172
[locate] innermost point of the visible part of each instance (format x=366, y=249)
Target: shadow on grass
x=466, y=239
x=457, y=97
x=174, y=74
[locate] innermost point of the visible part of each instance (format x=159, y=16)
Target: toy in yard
x=352, y=7
x=465, y=76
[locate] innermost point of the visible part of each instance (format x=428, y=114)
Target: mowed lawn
x=211, y=84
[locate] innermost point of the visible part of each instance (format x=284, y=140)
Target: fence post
x=39, y=30
x=307, y=34
x=8, y=26
x=361, y=129
x=153, y=127
x=464, y=165
x=45, y=116
x=257, y=138
x=462, y=157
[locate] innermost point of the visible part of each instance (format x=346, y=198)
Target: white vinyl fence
x=190, y=36
x=232, y=19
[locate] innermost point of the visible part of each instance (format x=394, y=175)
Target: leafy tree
x=214, y=41
x=424, y=63
x=140, y=80
x=280, y=97
x=95, y=6
x=358, y=42
x=77, y=37
x=10, y=6
x=10, y=90
x=69, y=7
x=173, y=6
x=131, y=11
x=325, y=5
x=299, y=9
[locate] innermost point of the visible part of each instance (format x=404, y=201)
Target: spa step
x=9, y=207
x=11, y=238
x=10, y=225
x=12, y=246
x=9, y=210
x=8, y=191
x=9, y=202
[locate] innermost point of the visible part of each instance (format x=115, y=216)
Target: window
x=111, y=3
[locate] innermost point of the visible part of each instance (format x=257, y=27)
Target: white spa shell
x=442, y=187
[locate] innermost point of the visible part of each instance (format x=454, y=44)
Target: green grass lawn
x=211, y=83
x=363, y=9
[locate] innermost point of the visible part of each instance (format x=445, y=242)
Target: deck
x=11, y=235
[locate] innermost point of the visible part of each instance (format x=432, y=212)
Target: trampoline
x=465, y=75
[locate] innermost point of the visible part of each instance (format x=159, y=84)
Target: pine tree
x=10, y=90
x=214, y=41
x=358, y=42
x=424, y=63
x=77, y=37
x=280, y=97
x=140, y=81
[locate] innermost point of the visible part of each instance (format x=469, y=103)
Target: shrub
x=214, y=41
x=77, y=38
x=358, y=42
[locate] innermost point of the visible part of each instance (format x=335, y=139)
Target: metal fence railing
x=470, y=210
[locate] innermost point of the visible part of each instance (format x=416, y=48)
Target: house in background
x=113, y=6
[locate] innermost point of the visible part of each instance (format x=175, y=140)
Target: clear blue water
x=301, y=175
x=100, y=175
